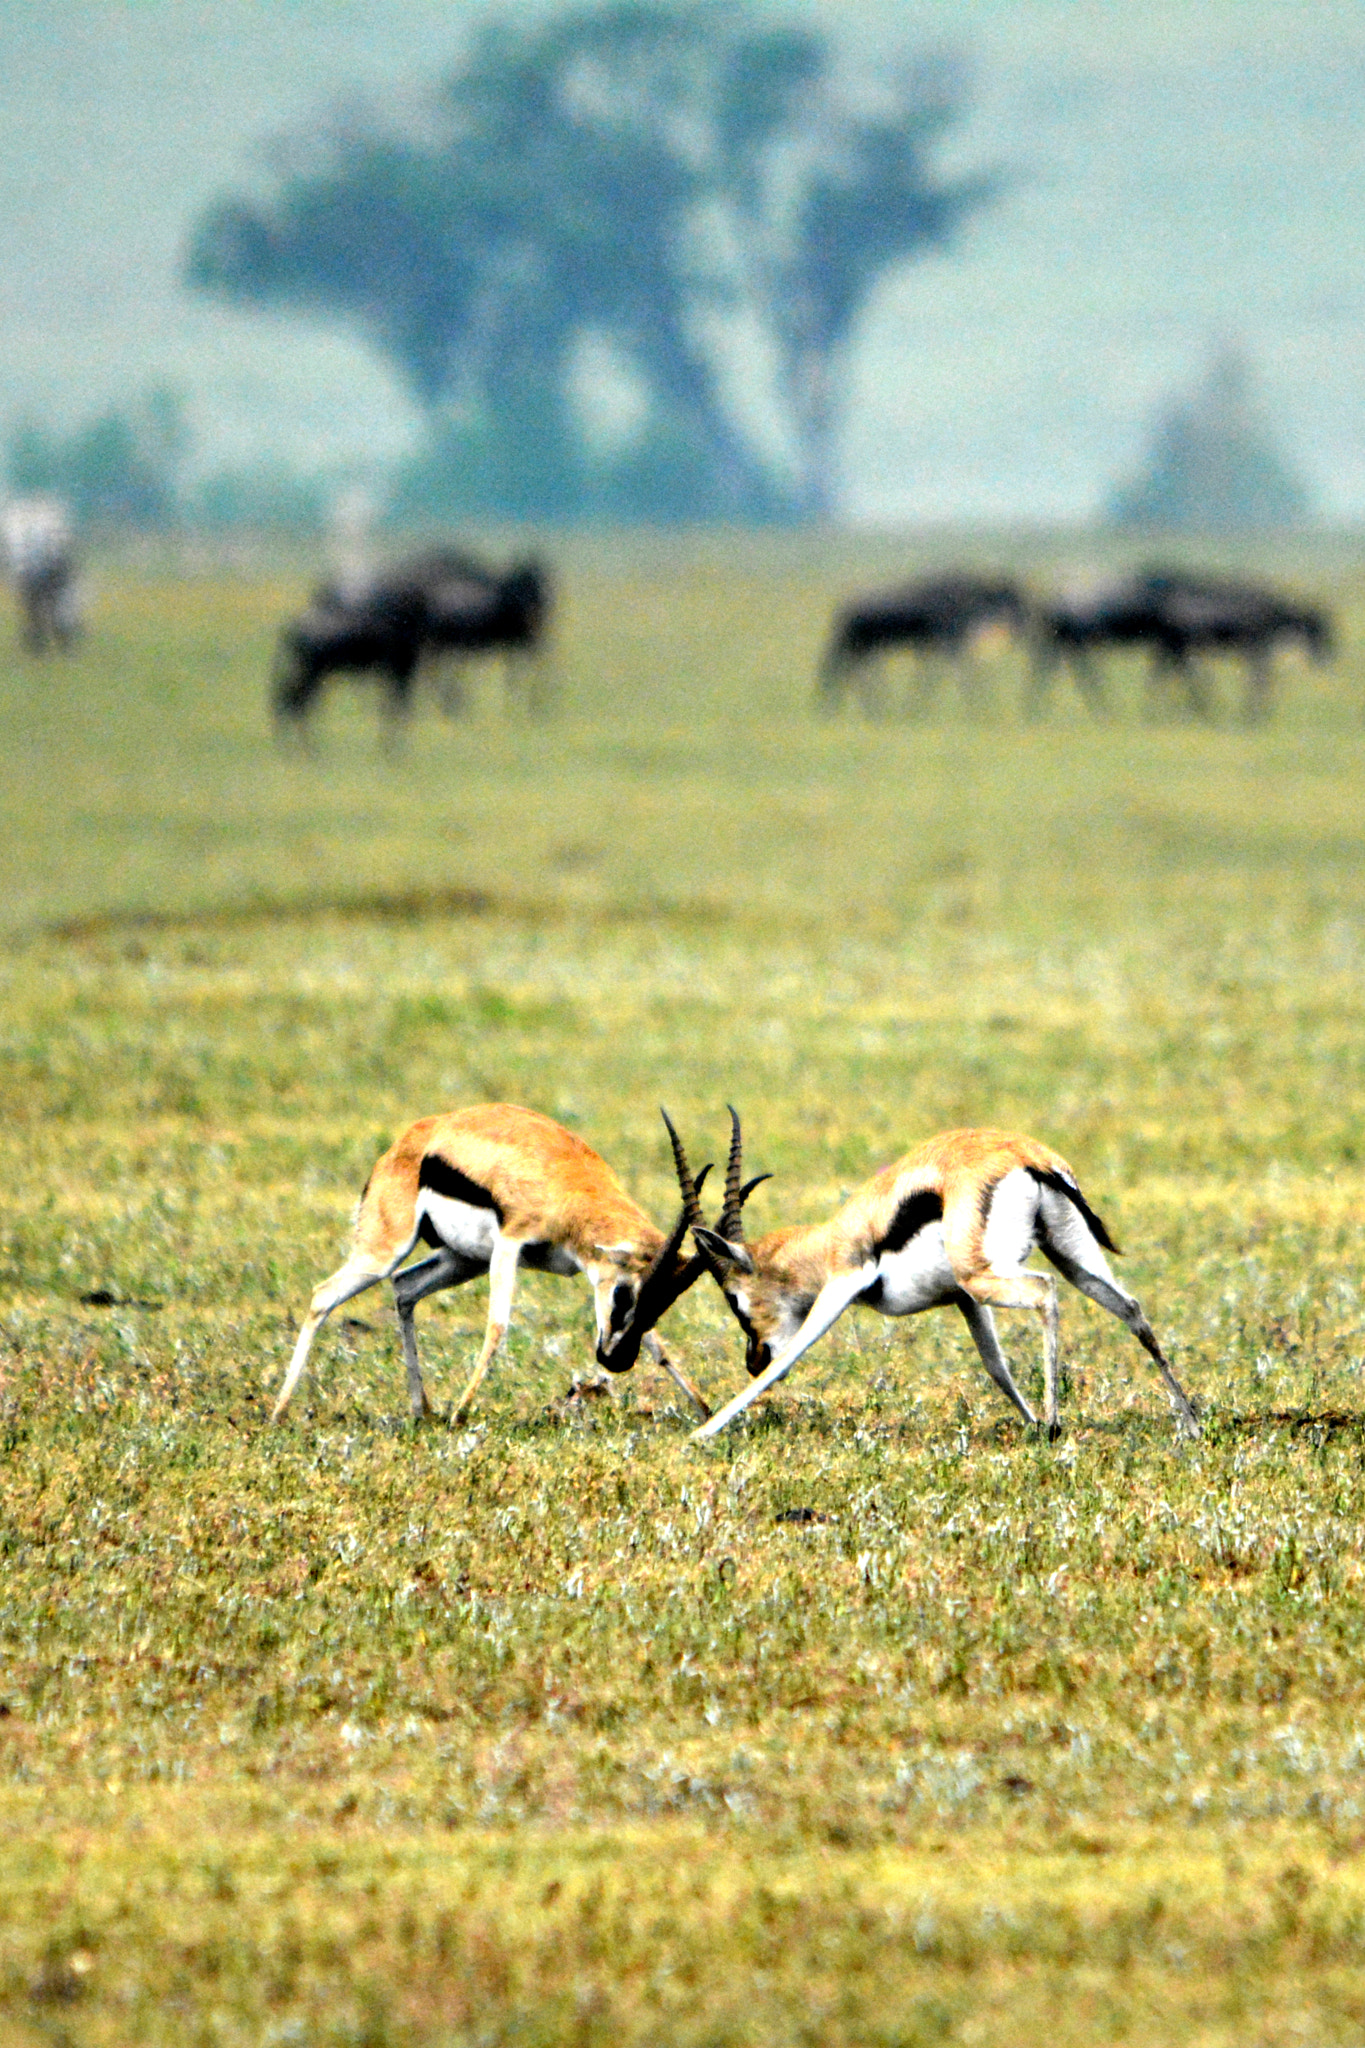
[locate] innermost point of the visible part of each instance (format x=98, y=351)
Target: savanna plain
x=876, y=1721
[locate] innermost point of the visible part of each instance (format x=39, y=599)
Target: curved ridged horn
x=691, y=1206
x=663, y=1279
x=731, y=1224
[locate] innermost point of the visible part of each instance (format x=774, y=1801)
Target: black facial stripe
x=622, y=1304
x=442, y=1178
x=753, y=1343
x=912, y=1214
x=742, y=1319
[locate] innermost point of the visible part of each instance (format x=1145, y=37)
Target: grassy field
x=876, y=1722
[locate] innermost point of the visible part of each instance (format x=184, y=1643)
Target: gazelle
x=950, y=1223
x=492, y=1189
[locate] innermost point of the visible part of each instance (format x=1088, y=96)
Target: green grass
x=876, y=1721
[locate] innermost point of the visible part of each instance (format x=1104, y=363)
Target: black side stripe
x=1077, y=1201
x=912, y=1214
x=442, y=1178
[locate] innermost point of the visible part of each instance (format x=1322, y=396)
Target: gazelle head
x=759, y=1302
x=632, y=1289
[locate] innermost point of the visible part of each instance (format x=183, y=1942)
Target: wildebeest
x=942, y=617
x=481, y=614
x=36, y=536
x=377, y=632
x=1245, y=619
x=1177, y=617
x=441, y=603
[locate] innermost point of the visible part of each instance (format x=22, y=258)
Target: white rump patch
x=1011, y=1230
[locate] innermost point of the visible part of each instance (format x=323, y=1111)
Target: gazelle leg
x=417, y=1393
x=353, y=1278
x=679, y=1379
x=413, y=1284
x=502, y=1281
x=829, y=1304
x=1036, y=1291
x=1051, y=1360
x=981, y=1323
x=1106, y=1293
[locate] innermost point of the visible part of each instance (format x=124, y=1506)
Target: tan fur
x=556, y=1198
x=958, y=1166
x=791, y=1285
x=549, y=1184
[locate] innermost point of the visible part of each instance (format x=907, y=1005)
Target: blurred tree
x=697, y=188
x=1214, y=465
x=265, y=497
x=121, y=469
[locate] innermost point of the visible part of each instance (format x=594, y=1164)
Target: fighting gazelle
x=492, y=1189
x=949, y=1224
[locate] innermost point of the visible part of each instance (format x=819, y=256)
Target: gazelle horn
x=731, y=1224
x=691, y=1205
x=663, y=1279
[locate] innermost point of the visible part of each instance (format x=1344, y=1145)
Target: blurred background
x=1055, y=262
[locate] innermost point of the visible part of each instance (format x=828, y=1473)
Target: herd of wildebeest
x=443, y=606
x=426, y=615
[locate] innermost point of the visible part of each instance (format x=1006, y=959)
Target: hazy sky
x=1188, y=171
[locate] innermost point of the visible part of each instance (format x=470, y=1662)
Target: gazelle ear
x=722, y=1250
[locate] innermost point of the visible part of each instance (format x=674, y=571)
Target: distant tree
x=265, y=497
x=682, y=185
x=119, y=469
x=1214, y=464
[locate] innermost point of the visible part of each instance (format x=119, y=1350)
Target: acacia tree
x=680, y=183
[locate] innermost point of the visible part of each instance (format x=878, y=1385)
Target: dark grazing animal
x=438, y=604
x=941, y=617
x=1177, y=617
x=1244, y=619
x=480, y=614
x=378, y=632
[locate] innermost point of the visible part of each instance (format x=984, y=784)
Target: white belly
x=918, y=1276
x=469, y=1230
